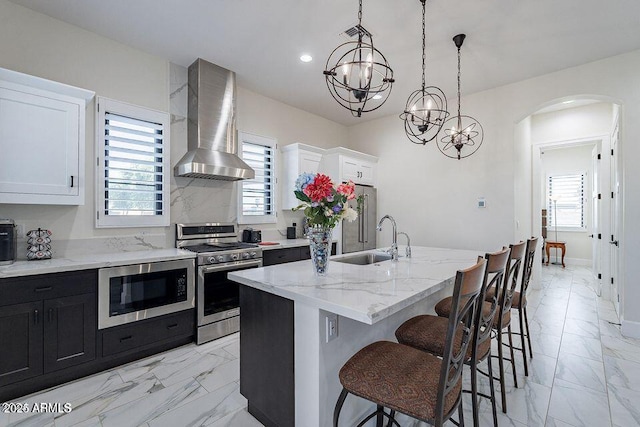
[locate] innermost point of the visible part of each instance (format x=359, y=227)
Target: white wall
x=565, y=161
x=435, y=196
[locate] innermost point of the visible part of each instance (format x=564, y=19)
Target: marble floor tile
x=621, y=347
x=527, y=404
x=610, y=329
x=582, y=312
x=578, y=406
x=136, y=369
x=584, y=372
x=622, y=373
x=220, y=376
x=191, y=365
x=233, y=348
x=546, y=344
x=217, y=344
x=205, y=410
x=546, y=325
x=608, y=315
x=239, y=418
x=142, y=410
x=552, y=422
x=585, y=328
x=625, y=410
x=109, y=398
x=581, y=346
x=541, y=369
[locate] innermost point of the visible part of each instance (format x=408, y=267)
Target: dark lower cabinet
x=49, y=332
x=20, y=342
x=280, y=256
x=267, y=376
x=69, y=331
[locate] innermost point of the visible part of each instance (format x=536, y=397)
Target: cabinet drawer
x=280, y=256
x=123, y=338
x=47, y=286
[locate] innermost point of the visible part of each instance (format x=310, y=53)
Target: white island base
x=289, y=373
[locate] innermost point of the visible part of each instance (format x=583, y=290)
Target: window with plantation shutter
x=256, y=197
x=568, y=208
x=133, y=166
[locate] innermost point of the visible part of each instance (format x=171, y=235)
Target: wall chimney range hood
x=212, y=137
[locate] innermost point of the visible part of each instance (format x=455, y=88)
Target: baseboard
x=630, y=328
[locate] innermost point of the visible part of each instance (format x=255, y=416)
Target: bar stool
x=427, y=332
x=413, y=382
x=503, y=320
x=519, y=301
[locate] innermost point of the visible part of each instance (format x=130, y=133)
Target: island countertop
x=366, y=293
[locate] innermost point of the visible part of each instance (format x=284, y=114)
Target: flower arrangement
x=324, y=204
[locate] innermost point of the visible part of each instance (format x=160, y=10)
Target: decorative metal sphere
x=424, y=114
x=361, y=78
x=463, y=135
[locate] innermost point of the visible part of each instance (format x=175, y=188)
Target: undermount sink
x=364, y=259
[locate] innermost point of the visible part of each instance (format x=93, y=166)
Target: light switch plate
x=482, y=203
x=331, y=326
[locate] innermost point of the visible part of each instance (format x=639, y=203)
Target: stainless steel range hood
x=212, y=137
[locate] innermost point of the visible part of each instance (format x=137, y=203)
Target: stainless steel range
x=219, y=252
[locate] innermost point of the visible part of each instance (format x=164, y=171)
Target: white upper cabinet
x=42, y=140
x=342, y=164
x=296, y=159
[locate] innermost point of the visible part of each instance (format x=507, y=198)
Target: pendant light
x=426, y=109
x=463, y=135
x=360, y=78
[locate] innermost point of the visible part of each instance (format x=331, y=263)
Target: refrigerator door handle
x=360, y=225
x=366, y=217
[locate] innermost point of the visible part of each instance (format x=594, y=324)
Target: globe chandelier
x=357, y=74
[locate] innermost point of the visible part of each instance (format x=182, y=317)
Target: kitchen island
x=289, y=372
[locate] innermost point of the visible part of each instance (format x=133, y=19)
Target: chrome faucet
x=408, y=250
x=393, y=250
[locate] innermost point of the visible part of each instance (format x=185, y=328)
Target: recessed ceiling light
x=306, y=58
x=567, y=102
x=377, y=96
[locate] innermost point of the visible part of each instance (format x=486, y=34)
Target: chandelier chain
x=360, y=13
x=424, y=45
x=459, y=83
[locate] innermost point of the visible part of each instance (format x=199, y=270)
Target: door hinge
x=612, y=194
x=599, y=157
x=599, y=236
x=612, y=280
x=97, y=214
x=599, y=275
x=618, y=297
x=599, y=196
x=612, y=151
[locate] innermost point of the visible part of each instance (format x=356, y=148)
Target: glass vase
x=320, y=244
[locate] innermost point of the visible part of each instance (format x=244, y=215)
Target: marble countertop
x=366, y=293
x=86, y=262
x=285, y=243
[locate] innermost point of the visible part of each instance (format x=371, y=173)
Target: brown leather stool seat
x=428, y=333
x=443, y=309
x=398, y=377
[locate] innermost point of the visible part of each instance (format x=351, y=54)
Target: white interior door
x=596, y=218
x=615, y=219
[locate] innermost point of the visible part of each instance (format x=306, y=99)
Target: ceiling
x=507, y=41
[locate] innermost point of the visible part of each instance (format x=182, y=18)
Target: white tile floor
x=584, y=373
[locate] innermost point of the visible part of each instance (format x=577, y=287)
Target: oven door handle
x=216, y=268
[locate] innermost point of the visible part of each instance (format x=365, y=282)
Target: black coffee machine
x=8, y=241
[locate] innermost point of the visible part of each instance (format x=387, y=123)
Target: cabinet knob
x=36, y=317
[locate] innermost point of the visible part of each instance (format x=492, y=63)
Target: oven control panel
x=230, y=256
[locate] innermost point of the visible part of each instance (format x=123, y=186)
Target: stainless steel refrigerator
x=360, y=235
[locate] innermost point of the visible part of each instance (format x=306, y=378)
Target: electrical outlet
x=482, y=203
x=331, y=327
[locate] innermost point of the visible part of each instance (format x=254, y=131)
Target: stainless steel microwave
x=135, y=292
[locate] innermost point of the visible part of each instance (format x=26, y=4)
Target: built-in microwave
x=135, y=292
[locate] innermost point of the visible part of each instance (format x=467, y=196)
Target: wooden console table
x=558, y=245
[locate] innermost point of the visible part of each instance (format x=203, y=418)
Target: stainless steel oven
x=135, y=292
x=219, y=300
x=219, y=252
